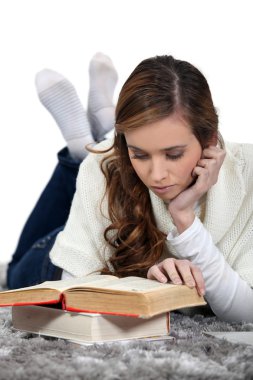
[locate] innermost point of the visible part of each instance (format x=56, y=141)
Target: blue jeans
x=30, y=263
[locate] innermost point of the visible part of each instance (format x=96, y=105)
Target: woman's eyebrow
x=134, y=147
x=163, y=149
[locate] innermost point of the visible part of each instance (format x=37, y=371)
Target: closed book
x=87, y=327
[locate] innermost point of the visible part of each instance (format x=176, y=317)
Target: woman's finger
x=210, y=162
x=184, y=268
x=214, y=152
x=178, y=272
x=155, y=273
x=170, y=269
x=199, y=280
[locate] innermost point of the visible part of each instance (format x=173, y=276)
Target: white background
x=215, y=35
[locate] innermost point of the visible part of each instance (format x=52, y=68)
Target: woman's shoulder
x=241, y=152
x=91, y=182
x=93, y=159
x=241, y=155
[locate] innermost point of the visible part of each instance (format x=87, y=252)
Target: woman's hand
x=206, y=175
x=178, y=272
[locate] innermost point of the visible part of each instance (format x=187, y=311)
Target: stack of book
x=98, y=308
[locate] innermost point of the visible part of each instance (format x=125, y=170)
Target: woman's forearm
x=229, y=296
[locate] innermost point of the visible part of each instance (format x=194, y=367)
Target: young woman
x=159, y=200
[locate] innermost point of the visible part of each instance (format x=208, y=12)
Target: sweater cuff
x=66, y=275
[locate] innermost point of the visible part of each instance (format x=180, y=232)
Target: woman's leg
x=35, y=265
x=47, y=218
x=30, y=263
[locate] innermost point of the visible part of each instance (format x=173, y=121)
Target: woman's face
x=163, y=155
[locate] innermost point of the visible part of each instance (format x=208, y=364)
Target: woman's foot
x=101, y=110
x=60, y=98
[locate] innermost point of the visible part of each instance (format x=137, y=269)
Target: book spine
x=63, y=303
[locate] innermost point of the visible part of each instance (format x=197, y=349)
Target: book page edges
x=52, y=302
x=140, y=304
x=101, y=312
x=44, y=320
x=29, y=296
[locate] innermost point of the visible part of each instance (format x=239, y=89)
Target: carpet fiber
x=189, y=356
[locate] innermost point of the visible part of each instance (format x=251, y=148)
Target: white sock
x=3, y=274
x=60, y=98
x=101, y=110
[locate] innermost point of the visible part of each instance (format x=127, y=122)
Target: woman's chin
x=167, y=198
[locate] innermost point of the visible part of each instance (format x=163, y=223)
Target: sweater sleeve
x=229, y=296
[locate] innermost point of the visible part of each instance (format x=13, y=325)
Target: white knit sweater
x=81, y=249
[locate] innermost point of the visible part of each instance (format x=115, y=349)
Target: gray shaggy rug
x=191, y=355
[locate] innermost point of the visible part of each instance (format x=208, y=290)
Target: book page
x=138, y=284
x=93, y=280
x=63, y=285
x=130, y=284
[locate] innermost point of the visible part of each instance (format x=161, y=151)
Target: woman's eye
x=138, y=156
x=174, y=156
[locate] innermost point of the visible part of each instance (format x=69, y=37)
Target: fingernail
x=163, y=279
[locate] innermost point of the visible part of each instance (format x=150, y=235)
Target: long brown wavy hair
x=157, y=88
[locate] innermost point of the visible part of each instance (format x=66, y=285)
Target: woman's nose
x=158, y=170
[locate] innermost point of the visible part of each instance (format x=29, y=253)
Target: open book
x=133, y=296
x=87, y=327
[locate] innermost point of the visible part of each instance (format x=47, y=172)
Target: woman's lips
x=161, y=190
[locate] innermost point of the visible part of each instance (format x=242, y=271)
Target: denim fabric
x=30, y=263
